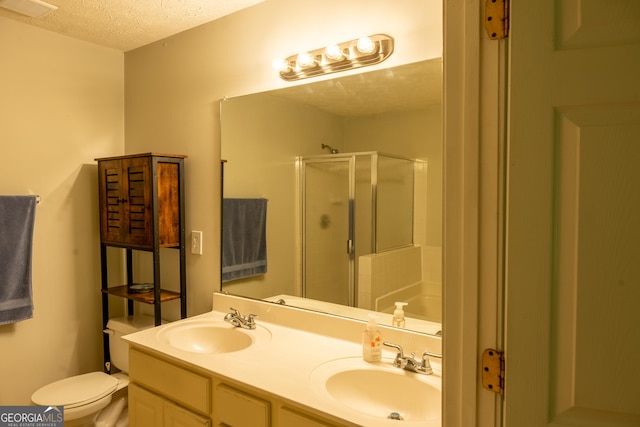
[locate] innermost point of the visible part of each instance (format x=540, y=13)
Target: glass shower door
x=327, y=224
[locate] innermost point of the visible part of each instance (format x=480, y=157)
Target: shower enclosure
x=352, y=204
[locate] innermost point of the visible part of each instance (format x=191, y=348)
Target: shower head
x=333, y=150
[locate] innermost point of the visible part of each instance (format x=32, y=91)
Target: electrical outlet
x=196, y=242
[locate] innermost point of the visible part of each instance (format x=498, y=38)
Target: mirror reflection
x=348, y=174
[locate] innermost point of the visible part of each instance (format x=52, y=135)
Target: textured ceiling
x=128, y=24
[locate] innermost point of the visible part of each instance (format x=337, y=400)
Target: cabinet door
x=138, y=213
x=175, y=416
x=294, y=418
x=187, y=388
x=125, y=202
x=145, y=408
x=235, y=408
x=112, y=220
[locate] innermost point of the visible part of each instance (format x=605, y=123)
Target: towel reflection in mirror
x=244, y=242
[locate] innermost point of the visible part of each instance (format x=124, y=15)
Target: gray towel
x=244, y=238
x=17, y=217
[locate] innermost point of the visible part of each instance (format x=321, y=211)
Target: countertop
x=299, y=342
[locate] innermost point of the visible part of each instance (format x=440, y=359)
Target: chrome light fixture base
x=355, y=53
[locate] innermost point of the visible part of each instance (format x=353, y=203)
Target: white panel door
x=572, y=325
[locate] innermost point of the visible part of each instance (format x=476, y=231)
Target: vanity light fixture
x=365, y=45
x=281, y=65
x=306, y=60
x=339, y=57
x=334, y=52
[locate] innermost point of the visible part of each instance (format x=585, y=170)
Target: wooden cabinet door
x=138, y=213
x=125, y=202
x=112, y=210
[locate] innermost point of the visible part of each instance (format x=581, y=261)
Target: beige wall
x=277, y=131
x=174, y=86
x=61, y=105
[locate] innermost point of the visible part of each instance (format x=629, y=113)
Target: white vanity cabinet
x=233, y=407
x=289, y=417
x=162, y=393
x=147, y=409
x=166, y=392
x=168, y=379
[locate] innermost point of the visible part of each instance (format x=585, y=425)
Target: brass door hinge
x=493, y=370
x=496, y=18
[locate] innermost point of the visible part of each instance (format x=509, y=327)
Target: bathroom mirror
x=307, y=150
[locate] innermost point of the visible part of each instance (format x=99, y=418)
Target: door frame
x=474, y=140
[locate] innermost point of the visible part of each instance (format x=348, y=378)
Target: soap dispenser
x=372, y=341
x=398, y=315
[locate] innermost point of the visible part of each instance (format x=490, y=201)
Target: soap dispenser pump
x=372, y=341
x=398, y=315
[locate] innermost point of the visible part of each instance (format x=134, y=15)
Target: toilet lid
x=76, y=391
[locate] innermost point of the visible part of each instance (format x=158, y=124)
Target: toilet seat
x=76, y=391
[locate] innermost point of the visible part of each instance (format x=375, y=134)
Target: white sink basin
x=210, y=336
x=378, y=390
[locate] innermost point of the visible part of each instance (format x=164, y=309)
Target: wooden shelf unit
x=141, y=205
x=144, y=297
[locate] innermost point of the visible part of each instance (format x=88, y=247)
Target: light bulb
x=305, y=59
x=334, y=52
x=365, y=45
x=280, y=65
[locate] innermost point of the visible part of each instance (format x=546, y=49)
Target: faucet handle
x=233, y=317
x=397, y=347
x=251, y=320
x=425, y=366
x=400, y=359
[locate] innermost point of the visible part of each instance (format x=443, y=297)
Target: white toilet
x=87, y=398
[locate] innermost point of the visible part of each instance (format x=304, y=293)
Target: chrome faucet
x=408, y=363
x=240, y=321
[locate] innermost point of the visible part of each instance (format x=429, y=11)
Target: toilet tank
x=117, y=328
